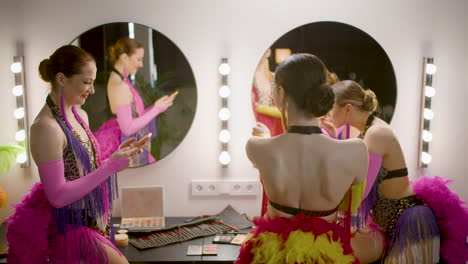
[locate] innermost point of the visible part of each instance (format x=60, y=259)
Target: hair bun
x=112, y=56
x=319, y=101
x=332, y=78
x=370, y=102
x=44, y=70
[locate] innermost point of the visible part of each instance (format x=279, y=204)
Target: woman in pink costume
x=417, y=218
x=300, y=175
x=132, y=119
x=66, y=216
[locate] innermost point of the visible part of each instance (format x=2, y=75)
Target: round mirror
x=140, y=72
x=347, y=51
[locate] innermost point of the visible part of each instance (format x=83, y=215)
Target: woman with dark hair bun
x=265, y=110
x=132, y=119
x=66, y=216
x=307, y=176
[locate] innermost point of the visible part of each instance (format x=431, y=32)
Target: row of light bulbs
x=428, y=114
x=19, y=113
x=224, y=113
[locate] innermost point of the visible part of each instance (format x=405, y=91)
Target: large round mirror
x=347, y=51
x=140, y=71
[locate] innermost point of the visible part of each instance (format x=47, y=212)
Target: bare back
x=381, y=139
x=311, y=172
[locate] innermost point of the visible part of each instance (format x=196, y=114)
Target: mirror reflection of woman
x=405, y=217
x=132, y=119
x=306, y=175
x=66, y=218
x=265, y=110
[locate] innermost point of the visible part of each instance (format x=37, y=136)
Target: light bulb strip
x=429, y=69
x=21, y=103
x=224, y=156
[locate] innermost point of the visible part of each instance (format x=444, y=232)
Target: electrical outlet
x=232, y=188
x=244, y=188
x=205, y=188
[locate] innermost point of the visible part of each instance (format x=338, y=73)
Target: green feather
x=8, y=156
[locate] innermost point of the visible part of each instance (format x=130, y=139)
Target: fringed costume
x=76, y=232
x=305, y=237
x=430, y=226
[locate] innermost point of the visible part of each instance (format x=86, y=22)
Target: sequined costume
x=73, y=234
x=408, y=223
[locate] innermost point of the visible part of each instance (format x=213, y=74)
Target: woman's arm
x=47, y=144
x=381, y=140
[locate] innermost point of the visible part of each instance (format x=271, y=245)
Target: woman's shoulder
x=380, y=132
x=259, y=148
x=255, y=143
x=46, y=129
x=352, y=146
x=115, y=82
x=45, y=124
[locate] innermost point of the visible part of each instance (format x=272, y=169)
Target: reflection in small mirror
x=144, y=86
x=348, y=52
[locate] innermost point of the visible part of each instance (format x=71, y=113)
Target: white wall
x=17, y=181
x=206, y=30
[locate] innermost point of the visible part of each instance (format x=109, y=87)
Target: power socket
x=244, y=188
x=231, y=188
x=205, y=188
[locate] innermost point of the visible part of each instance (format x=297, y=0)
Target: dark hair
x=123, y=46
x=68, y=60
x=350, y=92
x=304, y=79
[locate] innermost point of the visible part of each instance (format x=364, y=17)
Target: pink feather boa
x=31, y=226
x=31, y=222
x=451, y=214
x=108, y=137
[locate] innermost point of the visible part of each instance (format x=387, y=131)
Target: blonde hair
x=350, y=92
x=332, y=78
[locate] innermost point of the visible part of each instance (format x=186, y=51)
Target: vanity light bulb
x=224, y=158
x=431, y=68
x=429, y=91
x=427, y=136
x=224, y=69
x=131, y=30
x=21, y=158
x=20, y=135
x=224, y=114
x=18, y=90
x=224, y=91
x=224, y=136
x=16, y=67
x=428, y=114
x=19, y=113
x=426, y=158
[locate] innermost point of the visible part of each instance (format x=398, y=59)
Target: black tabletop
x=174, y=253
x=177, y=253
